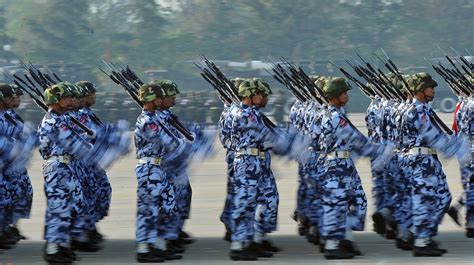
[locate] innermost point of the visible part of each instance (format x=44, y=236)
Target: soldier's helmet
x=251, y=87
x=55, y=93
x=87, y=87
x=399, y=84
x=419, y=81
x=76, y=91
x=17, y=89
x=335, y=86
x=8, y=91
x=150, y=92
x=263, y=86
x=236, y=81
x=170, y=88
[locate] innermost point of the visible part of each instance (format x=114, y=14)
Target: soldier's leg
x=226, y=212
x=379, y=194
x=334, y=200
x=5, y=205
x=104, y=193
x=425, y=203
x=246, y=176
x=470, y=205
x=58, y=187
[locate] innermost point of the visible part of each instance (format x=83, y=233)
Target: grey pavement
x=209, y=181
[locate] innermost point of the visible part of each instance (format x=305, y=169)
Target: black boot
x=337, y=254
x=185, y=239
x=17, y=233
x=435, y=245
x=391, y=231
x=350, y=247
x=174, y=246
x=5, y=242
x=89, y=246
x=379, y=223
x=257, y=248
x=268, y=246
x=227, y=236
x=454, y=214
x=405, y=244
x=303, y=226
x=57, y=257
x=428, y=251
x=148, y=257
x=165, y=254
x=95, y=236
x=242, y=254
x=68, y=253
x=470, y=232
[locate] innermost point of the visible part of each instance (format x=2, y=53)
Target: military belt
x=59, y=159
x=339, y=154
x=151, y=160
x=422, y=151
x=248, y=151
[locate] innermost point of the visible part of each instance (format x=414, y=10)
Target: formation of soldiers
x=404, y=138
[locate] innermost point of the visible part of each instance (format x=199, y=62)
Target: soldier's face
x=264, y=102
x=344, y=98
x=429, y=94
x=12, y=102
x=67, y=103
x=257, y=100
x=169, y=102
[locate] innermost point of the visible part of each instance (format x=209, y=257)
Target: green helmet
x=418, y=82
x=87, y=87
x=335, y=86
x=263, y=86
x=319, y=80
x=17, y=89
x=8, y=91
x=55, y=93
x=236, y=81
x=169, y=87
x=150, y=92
x=251, y=87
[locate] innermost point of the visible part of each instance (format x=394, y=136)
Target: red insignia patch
x=154, y=127
x=342, y=122
x=63, y=126
x=252, y=118
x=424, y=118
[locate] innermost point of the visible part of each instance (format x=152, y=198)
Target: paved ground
x=208, y=181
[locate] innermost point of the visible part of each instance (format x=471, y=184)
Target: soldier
x=88, y=118
x=225, y=126
x=429, y=191
x=249, y=134
x=156, y=203
x=59, y=145
x=176, y=172
x=16, y=174
x=343, y=200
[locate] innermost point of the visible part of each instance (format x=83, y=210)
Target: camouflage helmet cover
x=87, y=87
x=150, y=92
x=55, y=93
x=8, y=91
x=335, y=86
x=263, y=86
x=420, y=81
x=251, y=87
x=170, y=88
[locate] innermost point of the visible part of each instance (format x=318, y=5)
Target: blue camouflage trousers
x=267, y=200
x=247, y=178
x=403, y=213
x=5, y=200
x=156, y=207
x=87, y=219
x=301, y=198
x=22, y=194
x=183, y=192
x=343, y=199
x=226, y=216
x=315, y=166
x=430, y=194
x=65, y=200
x=467, y=179
x=104, y=193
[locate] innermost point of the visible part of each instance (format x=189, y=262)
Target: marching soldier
x=156, y=204
x=343, y=200
x=421, y=138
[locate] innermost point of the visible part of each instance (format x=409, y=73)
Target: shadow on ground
x=296, y=250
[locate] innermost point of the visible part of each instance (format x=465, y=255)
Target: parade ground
x=208, y=180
